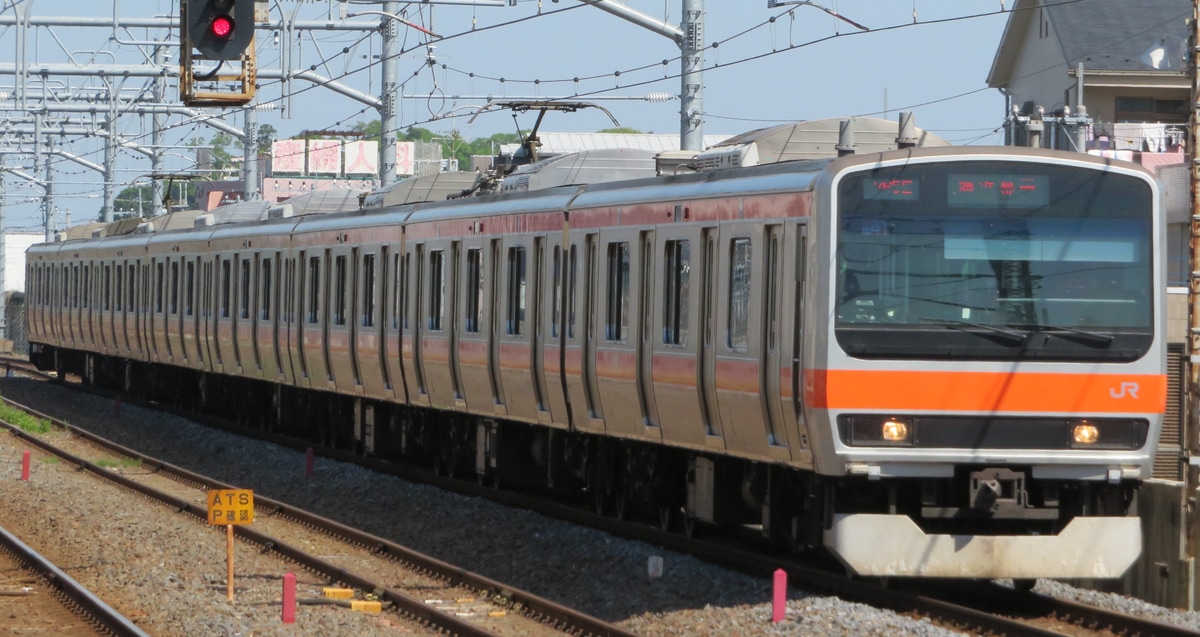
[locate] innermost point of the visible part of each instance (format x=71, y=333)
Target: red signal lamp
x=221, y=27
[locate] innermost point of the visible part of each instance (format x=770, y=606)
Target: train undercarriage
x=677, y=489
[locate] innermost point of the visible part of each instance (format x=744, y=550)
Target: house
x=1125, y=63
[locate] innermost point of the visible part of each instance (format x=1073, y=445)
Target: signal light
x=218, y=29
x=221, y=27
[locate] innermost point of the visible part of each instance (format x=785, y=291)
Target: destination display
x=1010, y=191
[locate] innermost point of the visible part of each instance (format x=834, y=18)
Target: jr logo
x=1126, y=389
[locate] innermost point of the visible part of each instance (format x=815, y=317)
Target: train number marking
x=1126, y=389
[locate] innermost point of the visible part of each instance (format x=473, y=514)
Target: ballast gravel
x=601, y=574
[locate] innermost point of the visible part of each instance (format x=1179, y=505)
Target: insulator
x=659, y=97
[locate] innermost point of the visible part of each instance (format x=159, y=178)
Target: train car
x=930, y=362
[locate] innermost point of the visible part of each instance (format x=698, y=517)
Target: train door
x=456, y=379
x=537, y=297
x=590, y=310
x=385, y=318
x=516, y=355
x=771, y=369
x=495, y=322
x=176, y=311
x=643, y=345
x=418, y=332
x=551, y=337
x=190, y=315
x=792, y=406
x=353, y=318
x=706, y=368
x=325, y=312
x=285, y=327
x=257, y=304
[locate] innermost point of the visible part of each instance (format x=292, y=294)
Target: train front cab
x=989, y=381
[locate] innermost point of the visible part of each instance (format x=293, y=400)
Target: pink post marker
x=779, y=604
x=289, y=598
x=25, y=466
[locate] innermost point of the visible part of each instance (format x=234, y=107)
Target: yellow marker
x=366, y=607
x=497, y=613
x=339, y=593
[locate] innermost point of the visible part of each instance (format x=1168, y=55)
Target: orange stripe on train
x=985, y=391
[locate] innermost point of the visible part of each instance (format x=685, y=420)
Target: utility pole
x=250, y=155
x=389, y=115
x=159, y=122
x=1190, y=429
x=110, y=167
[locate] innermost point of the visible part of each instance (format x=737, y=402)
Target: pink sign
x=324, y=156
x=362, y=158
x=287, y=156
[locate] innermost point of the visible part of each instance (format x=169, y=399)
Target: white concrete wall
x=15, y=246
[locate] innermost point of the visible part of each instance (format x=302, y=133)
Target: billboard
x=287, y=156
x=362, y=158
x=324, y=157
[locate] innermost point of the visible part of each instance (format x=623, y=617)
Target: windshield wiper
x=1018, y=337
x=1095, y=337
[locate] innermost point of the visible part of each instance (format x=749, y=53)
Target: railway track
x=973, y=607
x=402, y=580
x=38, y=597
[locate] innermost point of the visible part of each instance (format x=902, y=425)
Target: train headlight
x=894, y=430
x=1085, y=433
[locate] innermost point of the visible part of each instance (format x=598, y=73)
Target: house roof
x=1105, y=35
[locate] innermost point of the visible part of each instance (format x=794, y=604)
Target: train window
x=289, y=293
x=314, y=288
x=616, y=321
x=738, y=337
x=174, y=287
x=516, y=291
x=474, y=289
x=437, y=288
x=107, y=287
x=397, y=282
x=556, y=302
x=189, y=294
x=264, y=311
x=572, y=267
x=339, y=287
x=131, y=289
x=368, y=306
x=226, y=281
x=244, y=295
x=676, y=273
x=159, y=271
x=402, y=282
x=87, y=286
x=119, y=288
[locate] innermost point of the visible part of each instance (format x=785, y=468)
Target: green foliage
x=621, y=130
x=27, y=423
x=454, y=146
x=123, y=463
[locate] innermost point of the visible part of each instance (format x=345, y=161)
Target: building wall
x=1040, y=71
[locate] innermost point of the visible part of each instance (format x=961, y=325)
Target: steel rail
x=94, y=609
x=571, y=620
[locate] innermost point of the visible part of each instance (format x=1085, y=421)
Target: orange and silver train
x=931, y=362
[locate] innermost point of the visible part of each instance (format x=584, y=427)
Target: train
x=926, y=361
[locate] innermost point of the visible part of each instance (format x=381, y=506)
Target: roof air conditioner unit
x=146, y=227
x=282, y=211
x=721, y=158
x=204, y=221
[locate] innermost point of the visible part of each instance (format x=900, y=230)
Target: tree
x=266, y=136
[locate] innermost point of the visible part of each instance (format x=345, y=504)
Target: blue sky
x=928, y=56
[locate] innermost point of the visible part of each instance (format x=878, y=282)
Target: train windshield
x=994, y=260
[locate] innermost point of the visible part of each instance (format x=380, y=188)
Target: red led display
x=1022, y=191
x=892, y=189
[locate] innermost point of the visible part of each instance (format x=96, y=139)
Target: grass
x=27, y=423
x=124, y=463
